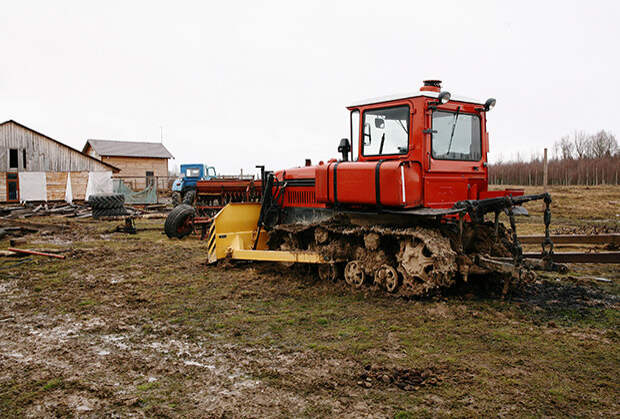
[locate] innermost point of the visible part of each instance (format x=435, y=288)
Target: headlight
x=489, y=104
x=444, y=97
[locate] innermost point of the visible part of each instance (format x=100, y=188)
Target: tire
x=176, y=198
x=106, y=201
x=179, y=222
x=190, y=197
x=109, y=212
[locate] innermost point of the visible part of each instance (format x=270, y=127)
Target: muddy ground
x=138, y=325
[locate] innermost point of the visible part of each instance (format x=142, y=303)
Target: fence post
x=545, y=171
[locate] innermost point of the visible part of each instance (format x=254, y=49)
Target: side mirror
x=345, y=148
x=380, y=123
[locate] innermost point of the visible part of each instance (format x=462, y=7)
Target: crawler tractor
x=403, y=209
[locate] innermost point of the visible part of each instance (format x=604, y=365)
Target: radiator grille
x=301, y=197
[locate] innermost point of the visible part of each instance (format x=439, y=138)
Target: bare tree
x=581, y=144
x=563, y=148
x=604, y=144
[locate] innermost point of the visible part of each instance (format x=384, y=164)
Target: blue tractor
x=184, y=188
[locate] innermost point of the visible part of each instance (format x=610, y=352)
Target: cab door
x=455, y=154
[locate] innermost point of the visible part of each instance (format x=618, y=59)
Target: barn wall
x=79, y=180
x=138, y=166
x=56, y=185
x=42, y=154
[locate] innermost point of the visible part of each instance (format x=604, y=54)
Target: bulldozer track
x=409, y=262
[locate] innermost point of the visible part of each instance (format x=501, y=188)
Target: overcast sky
x=235, y=84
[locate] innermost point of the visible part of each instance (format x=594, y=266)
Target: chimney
x=431, y=86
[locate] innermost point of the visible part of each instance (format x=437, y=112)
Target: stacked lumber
x=74, y=210
x=31, y=210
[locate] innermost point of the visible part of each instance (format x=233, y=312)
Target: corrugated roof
x=128, y=149
x=114, y=168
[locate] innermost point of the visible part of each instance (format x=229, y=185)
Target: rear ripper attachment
x=407, y=215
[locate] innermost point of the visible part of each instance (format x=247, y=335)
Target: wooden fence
x=138, y=183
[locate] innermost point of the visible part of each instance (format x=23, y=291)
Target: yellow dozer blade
x=233, y=233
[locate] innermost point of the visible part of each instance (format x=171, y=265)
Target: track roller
x=354, y=274
x=386, y=277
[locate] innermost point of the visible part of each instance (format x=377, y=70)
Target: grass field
x=138, y=325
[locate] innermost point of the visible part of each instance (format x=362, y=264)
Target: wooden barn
x=35, y=167
x=139, y=162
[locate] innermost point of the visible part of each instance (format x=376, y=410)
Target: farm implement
x=207, y=197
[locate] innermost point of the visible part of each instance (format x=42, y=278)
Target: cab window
x=456, y=136
x=192, y=172
x=386, y=131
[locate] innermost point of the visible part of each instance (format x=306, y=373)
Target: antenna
x=161, y=134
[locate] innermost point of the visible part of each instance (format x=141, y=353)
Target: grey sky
x=236, y=84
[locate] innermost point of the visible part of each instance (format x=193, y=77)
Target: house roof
x=128, y=149
x=114, y=168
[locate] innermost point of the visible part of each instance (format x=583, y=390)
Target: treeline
x=577, y=159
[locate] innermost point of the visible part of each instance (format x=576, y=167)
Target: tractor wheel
x=109, y=212
x=115, y=200
x=176, y=198
x=190, y=197
x=180, y=221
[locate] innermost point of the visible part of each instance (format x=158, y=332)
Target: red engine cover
x=388, y=183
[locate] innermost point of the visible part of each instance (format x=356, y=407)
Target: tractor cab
x=440, y=137
x=192, y=173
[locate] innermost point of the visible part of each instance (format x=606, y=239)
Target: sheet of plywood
x=56, y=185
x=32, y=186
x=79, y=180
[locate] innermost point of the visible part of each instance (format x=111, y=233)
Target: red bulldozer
x=403, y=209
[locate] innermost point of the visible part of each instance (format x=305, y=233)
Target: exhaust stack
x=431, y=86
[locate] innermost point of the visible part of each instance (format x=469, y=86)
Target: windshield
x=192, y=173
x=386, y=131
x=456, y=136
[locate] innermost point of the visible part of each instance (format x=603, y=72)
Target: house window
x=24, y=157
x=13, y=158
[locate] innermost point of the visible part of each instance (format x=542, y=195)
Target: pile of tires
x=180, y=221
x=107, y=205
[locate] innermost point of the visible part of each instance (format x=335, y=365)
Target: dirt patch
x=404, y=378
x=563, y=295
x=140, y=326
